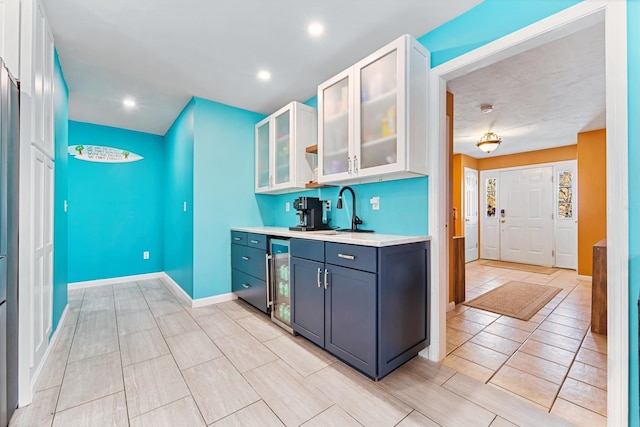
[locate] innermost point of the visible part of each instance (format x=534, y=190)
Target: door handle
x=246, y=286
x=246, y=258
x=503, y=221
x=319, y=272
x=349, y=257
x=326, y=274
x=255, y=242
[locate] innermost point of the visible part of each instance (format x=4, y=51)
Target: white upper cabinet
x=373, y=117
x=281, y=139
x=10, y=35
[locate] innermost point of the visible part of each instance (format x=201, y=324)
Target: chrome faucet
x=355, y=221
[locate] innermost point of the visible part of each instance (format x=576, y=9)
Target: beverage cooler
x=279, y=287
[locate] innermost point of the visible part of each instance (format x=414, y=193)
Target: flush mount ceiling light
x=489, y=142
x=486, y=108
x=129, y=103
x=264, y=75
x=315, y=29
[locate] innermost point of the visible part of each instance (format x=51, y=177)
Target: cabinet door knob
x=319, y=272
x=255, y=242
x=237, y=238
x=246, y=286
x=246, y=258
x=349, y=257
x=326, y=275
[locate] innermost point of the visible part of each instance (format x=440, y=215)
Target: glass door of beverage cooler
x=280, y=285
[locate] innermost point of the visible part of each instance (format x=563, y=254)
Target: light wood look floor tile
x=467, y=367
x=218, y=325
x=160, y=293
x=128, y=292
x=302, y=360
x=589, y=374
x=262, y=329
x=140, y=346
x=577, y=414
x=481, y=355
x=164, y=307
x=107, y=411
x=506, y=406
x=496, y=343
x=332, y=417
x=430, y=371
x=556, y=340
x=202, y=311
x=508, y=332
x=235, y=309
x=416, y=419
x=541, y=368
x=585, y=395
x=65, y=338
x=478, y=317
x=98, y=304
x=52, y=371
x=501, y=422
x=130, y=305
x=96, y=320
x=176, y=323
x=39, y=412
x=517, y=323
x=548, y=352
x=218, y=389
x=255, y=415
x=536, y=389
x=93, y=343
x=592, y=358
x=183, y=412
x=464, y=325
x=192, y=348
x=283, y=390
x=244, y=351
x=97, y=292
x=152, y=384
x=567, y=331
x=443, y=406
x=457, y=337
x=90, y=379
x=358, y=396
x=569, y=321
x=135, y=322
x=595, y=342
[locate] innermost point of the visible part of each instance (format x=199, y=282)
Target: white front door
x=526, y=229
x=470, y=214
x=566, y=215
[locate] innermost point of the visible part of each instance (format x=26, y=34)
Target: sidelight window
x=565, y=195
x=490, y=186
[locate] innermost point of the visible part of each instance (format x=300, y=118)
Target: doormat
x=515, y=299
x=522, y=267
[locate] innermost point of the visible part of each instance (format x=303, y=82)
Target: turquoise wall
x=61, y=139
x=178, y=188
x=633, y=70
x=115, y=209
x=223, y=186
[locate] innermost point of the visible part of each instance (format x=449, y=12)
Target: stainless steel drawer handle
x=255, y=242
x=319, y=272
x=349, y=257
x=246, y=258
x=237, y=238
x=326, y=275
x=246, y=286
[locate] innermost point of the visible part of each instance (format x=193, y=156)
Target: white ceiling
x=164, y=52
x=542, y=97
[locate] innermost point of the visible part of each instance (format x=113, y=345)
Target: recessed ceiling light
x=315, y=29
x=264, y=75
x=129, y=102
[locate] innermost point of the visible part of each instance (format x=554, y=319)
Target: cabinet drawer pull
x=326, y=275
x=246, y=258
x=319, y=272
x=246, y=286
x=237, y=238
x=349, y=257
x=255, y=242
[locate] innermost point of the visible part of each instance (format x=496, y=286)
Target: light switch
x=375, y=203
x=287, y=207
x=184, y=206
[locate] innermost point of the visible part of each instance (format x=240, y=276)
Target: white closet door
x=470, y=214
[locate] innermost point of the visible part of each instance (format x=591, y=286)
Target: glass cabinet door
x=282, y=148
x=262, y=156
x=335, y=128
x=378, y=139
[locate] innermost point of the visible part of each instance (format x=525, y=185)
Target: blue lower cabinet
x=249, y=268
x=250, y=289
x=308, y=297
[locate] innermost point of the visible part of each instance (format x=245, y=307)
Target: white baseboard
x=52, y=343
x=199, y=302
x=581, y=277
x=113, y=280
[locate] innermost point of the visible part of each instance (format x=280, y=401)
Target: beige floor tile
x=430, y=371
x=539, y=367
x=135, y=322
x=282, y=389
x=93, y=343
x=517, y=396
x=218, y=325
x=183, y=412
x=478, y=316
x=508, y=332
x=159, y=293
x=577, y=414
x=496, y=343
x=595, y=342
x=592, y=358
x=569, y=321
x=548, y=352
x=96, y=320
x=130, y=305
x=416, y=419
x=526, y=385
x=556, y=340
x=244, y=351
x=589, y=374
x=235, y=309
x=457, y=337
x=481, y=355
x=443, y=406
x=501, y=422
x=140, y=346
x=90, y=379
x=465, y=325
x=589, y=397
x=451, y=347
x=332, y=417
x=192, y=348
x=152, y=384
x=567, y=331
x=207, y=310
x=39, y=412
x=107, y=411
x=164, y=307
x=261, y=327
x=218, y=389
x=255, y=415
x=176, y=323
x=506, y=405
x=517, y=323
x=467, y=367
x=301, y=359
x=358, y=396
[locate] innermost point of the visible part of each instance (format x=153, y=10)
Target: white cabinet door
x=263, y=170
x=282, y=153
x=10, y=35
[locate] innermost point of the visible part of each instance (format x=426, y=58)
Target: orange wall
x=550, y=155
x=592, y=196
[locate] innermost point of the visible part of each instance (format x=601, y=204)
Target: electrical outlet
x=145, y=255
x=328, y=204
x=375, y=203
x=287, y=207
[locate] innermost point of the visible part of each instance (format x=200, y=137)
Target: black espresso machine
x=312, y=214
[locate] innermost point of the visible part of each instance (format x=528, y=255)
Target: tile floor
x=134, y=354
x=552, y=361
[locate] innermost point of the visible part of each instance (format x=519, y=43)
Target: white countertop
x=364, y=239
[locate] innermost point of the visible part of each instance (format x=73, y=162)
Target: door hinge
x=553, y=253
x=552, y=215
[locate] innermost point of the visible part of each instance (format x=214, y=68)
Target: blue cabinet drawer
x=307, y=249
x=250, y=289
x=352, y=256
x=249, y=260
x=239, y=237
x=257, y=241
